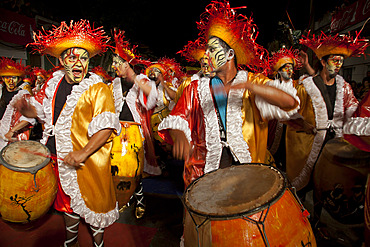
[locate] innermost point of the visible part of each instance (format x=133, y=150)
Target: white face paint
x=76, y=63
x=286, y=71
x=216, y=54
x=118, y=66
x=334, y=64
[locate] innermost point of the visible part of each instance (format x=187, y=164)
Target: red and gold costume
x=303, y=149
x=140, y=105
x=357, y=129
x=279, y=59
x=193, y=52
x=11, y=116
x=195, y=113
x=87, y=191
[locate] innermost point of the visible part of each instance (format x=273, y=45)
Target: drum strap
x=220, y=124
x=226, y=156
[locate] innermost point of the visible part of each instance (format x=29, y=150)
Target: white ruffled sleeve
x=39, y=109
x=269, y=111
x=105, y=120
x=151, y=100
x=176, y=122
x=359, y=126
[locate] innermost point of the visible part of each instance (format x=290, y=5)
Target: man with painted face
x=219, y=122
x=326, y=103
x=79, y=118
x=194, y=52
x=13, y=126
x=282, y=64
x=135, y=97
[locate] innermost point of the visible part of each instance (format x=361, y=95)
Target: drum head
x=342, y=152
x=15, y=159
x=235, y=191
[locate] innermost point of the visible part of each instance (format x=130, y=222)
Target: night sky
x=166, y=26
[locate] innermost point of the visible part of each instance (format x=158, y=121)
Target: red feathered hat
x=344, y=45
x=125, y=50
x=77, y=34
x=9, y=67
x=282, y=57
x=194, y=50
x=238, y=31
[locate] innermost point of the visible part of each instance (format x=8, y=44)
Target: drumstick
x=54, y=157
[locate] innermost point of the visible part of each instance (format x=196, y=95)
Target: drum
x=28, y=184
x=127, y=161
x=339, y=181
x=367, y=213
x=156, y=119
x=246, y=205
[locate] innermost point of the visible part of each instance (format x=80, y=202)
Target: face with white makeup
x=76, y=64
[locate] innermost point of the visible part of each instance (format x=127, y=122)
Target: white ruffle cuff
x=269, y=111
x=176, y=122
x=357, y=126
x=105, y=120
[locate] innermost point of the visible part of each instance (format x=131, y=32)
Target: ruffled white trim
x=321, y=119
x=322, y=122
x=160, y=91
x=67, y=174
x=359, y=126
x=32, y=121
x=212, y=132
x=119, y=100
x=105, y=120
x=152, y=97
x=177, y=123
x=338, y=115
x=234, y=121
x=39, y=109
x=47, y=105
x=5, y=122
x=269, y=111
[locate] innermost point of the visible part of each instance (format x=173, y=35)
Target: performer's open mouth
x=77, y=72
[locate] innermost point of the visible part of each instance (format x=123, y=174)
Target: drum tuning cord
x=34, y=180
x=304, y=210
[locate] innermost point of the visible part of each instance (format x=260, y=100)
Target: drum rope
x=34, y=180
x=195, y=223
x=260, y=222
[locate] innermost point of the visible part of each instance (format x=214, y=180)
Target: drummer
x=135, y=97
x=77, y=109
x=357, y=129
x=194, y=52
x=13, y=126
x=161, y=74
x=282, y=65
x=327, y=101
x=234, y=131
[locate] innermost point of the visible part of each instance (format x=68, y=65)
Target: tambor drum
x=246, y=205
x=367, y=213
x=28, y=184
x=339, y=181
x=156, y=119
x=127, y=161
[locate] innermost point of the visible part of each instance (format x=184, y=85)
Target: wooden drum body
x=367, y=213
x=247, y=205
x=339, y=180
x=127, y=161
x=156, y=119
x=28, y=184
